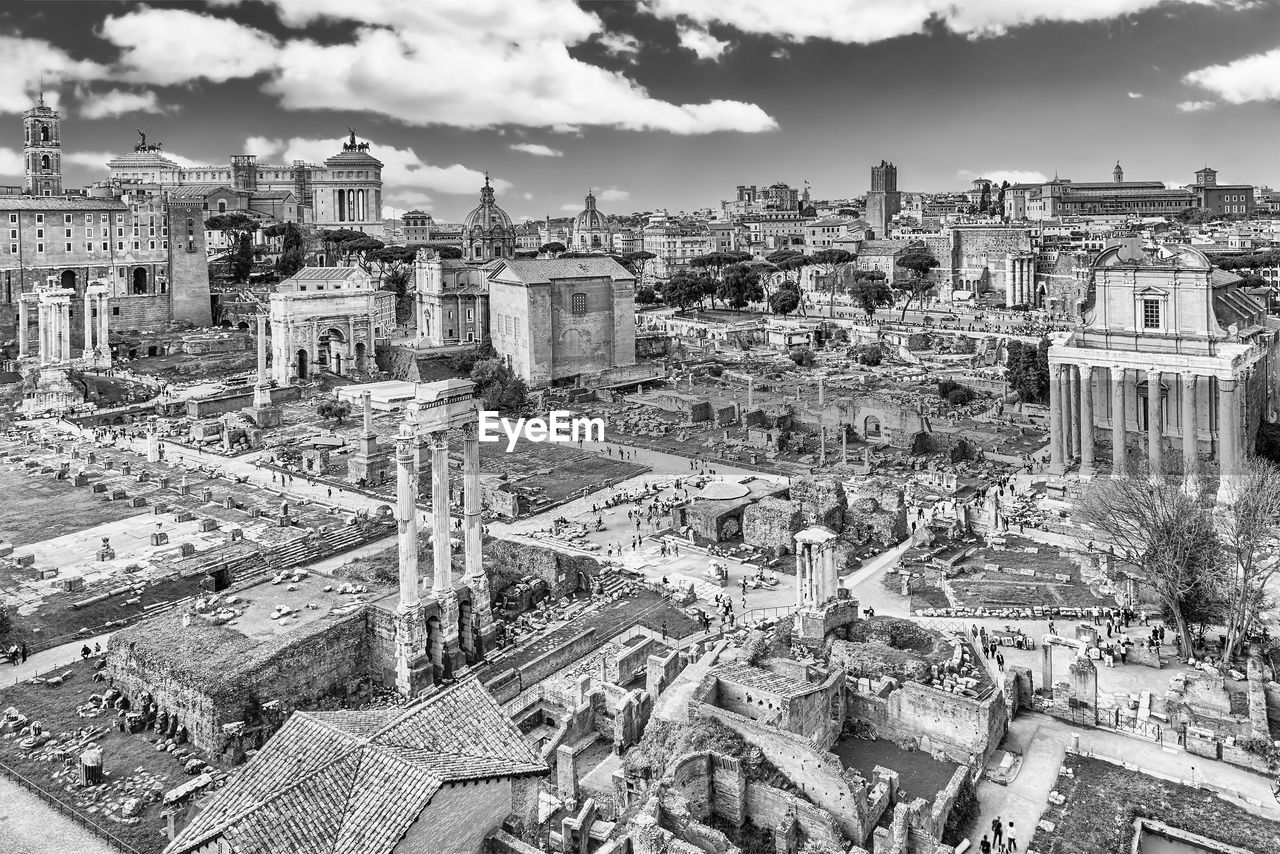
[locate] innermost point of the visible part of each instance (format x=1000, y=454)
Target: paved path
x=47, y=660
x=29, y=826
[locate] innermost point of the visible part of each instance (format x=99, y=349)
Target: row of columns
x=1019, y=281
x=95, y=298
x=817, y=578
x=352, y=205
x=53, y=326
x=409, y=623
x=1071, y=420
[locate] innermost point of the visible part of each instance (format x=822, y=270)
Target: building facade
x=417, y=227
x=451, y=300
x=487, y=232
x=1172, y=363
x=560, y=321
x=346, y=192
x=327, y=319
x=1221, y=198
x=42, y=150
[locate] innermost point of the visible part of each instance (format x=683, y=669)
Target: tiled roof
x=327, y=273
x=541, y=271
x=354, y=782
x=59, y=203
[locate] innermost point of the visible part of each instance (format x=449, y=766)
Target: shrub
x=803, y=357
x=871, y=355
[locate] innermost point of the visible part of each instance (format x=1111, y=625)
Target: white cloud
x=118, y=102
x=1196, y=106
x=168, y=46
x=613, y=194
x=571, y=207
x=402, y=168
x=1135, y=95
x=999, y=176
x=537, y=150
x=701, y=42
x=1251, y=78
x=11, y=163
x=621, y=44
x=527, y=196
x=21, y=62
x=870, y=21
x=780, y=53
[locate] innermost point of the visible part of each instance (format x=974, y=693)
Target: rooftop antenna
x=42, y=87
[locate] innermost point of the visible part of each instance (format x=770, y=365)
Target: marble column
x=66, y=330
x=24, y=322
x=262, y=349
x=1056, y=457
x=407, y=519
x=1010, y=283
x=471, y=502
x=1086, y=419
x=1064, y=413
x=104, y=342
x=41, y=332
x=1073, y=373
x=1119, y=461
x=1190, y=449
x=1155, y=426
x=88, y=324
x=443, y=581
x=1228, y=439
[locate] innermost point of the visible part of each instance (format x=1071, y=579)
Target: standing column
x=1056, y=458
x=443, y=582
x=1064, y=413
x=262, y=349
x=800, y=579
x=24, y=322
x=1010, y=283
x=1228, y=440
x=1119, y=462
x=104, y=341
x=1086, y=419
x=1155, y=427
x=1190, y=448
x=88, y=324
x=66, y=330
x=471, y=501
x=407, y=519
x=42, y=331
x=1073, y=373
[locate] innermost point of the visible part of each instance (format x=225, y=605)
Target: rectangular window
x=579, y=303
x=115, y=311
x=105, y=246
x=13, y=249
x=39, y=217
x=1151, y=314
x=39, y=232
x=66, y=218
x=68, y=232
x=68, y=247
x=13, y=234
x=39, y=247
x=13, y=217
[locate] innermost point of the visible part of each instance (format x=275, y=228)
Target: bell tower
x=42, y=150
x=1117, y=174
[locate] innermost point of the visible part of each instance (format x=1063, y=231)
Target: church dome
x=590, y=219
x=487, y=216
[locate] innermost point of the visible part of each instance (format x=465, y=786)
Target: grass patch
x=1102, y=801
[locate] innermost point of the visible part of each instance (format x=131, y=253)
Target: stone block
x=6, y=549
x=184, y=516
x=108, y=463
x=229, y=503
x=26, y=560
x=144, y=476
x=81, y=479
x=236, y=534
x=72, y=583
x=208, y=525
x=206, y=495
x=48, y=572
x=126, y=469
x=118, y=495
x=163, y=482
x=137, y=501
x=159, y=538
x=159, y=509
x=99, y=487
x=187, y=549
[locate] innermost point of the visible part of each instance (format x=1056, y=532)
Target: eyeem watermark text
x=560, y=426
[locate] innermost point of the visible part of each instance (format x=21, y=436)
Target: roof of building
x=327, y=274
x=352, y=158
x=590, y=219
x=338, y=782
x=542, y=271
x=760, y=679
x=141, y=160
x=487, y=216
x=60, y=203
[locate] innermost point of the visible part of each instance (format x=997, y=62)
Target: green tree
x=869, y=290
x=832, y=262
x=331, y=239
x=1004, y=186
x=1027, y=370
x=293, y=250
x=6, y=620
x=870, y=355
x=740, y=286
x=553, y=248
x=362, y=250
x=790, y=265
x=646, y=296
x=984, y=201
x=335, y=409
x=714, y=264
x=919, y=264
x=803, y=357
x=240, y=228
x=636, y=261
x=684, y=290
x=498, y=386
x=784, y=300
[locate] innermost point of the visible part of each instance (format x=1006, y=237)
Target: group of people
x=17, y=653
x=1001, y=839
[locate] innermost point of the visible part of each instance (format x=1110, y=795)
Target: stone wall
x=633, y=660
x=508, y=559
x=772, y=523
x=955, y=726
x=143, y=312
x=820, y=499
x=458, y=818
x=768, y=807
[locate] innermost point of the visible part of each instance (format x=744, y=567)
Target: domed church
x=487, y=232
x=591, y=232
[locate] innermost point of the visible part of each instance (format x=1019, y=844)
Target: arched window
x=579, y=303
x=222, y=206
x=44, y=161
x=44, y=133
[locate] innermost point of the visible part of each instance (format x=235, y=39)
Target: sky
x=658, y=104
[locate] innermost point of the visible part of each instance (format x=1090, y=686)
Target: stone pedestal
x=413, y=664
x=153, y=447
x=448, y=652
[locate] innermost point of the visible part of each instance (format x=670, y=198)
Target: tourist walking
x=1000, y=661
x=984, y=846
x=997, y=832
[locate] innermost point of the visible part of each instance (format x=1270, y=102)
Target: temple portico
x=1172, y=360
x=461, y=628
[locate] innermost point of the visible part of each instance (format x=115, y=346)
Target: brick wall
x=955, y=726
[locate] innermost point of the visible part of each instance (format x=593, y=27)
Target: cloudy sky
x=659, y=103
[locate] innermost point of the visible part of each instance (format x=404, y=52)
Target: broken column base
x=265, y=416
x=414, y=673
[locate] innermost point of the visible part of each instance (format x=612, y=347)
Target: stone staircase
x=307, y=550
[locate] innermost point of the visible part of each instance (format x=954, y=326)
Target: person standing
x=984, y=846
x=1010, y=844
x=997, y=832
x=1000, y=661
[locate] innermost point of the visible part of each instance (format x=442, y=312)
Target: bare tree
x=1165, y=534
x=1248, y=530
